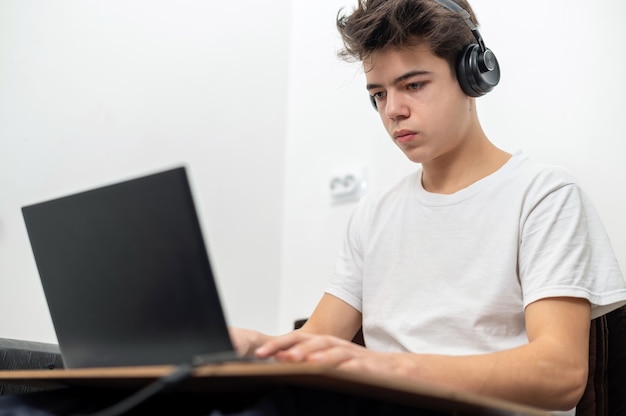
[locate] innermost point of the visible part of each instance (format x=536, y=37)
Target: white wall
x=251, y=96
x=95, y=92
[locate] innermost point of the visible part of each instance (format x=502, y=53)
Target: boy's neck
x=459, y=169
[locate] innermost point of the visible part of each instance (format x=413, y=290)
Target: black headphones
x=477, y=68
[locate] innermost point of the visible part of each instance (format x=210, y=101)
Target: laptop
x=127, y=276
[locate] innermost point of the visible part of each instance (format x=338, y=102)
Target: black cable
x=181, y=373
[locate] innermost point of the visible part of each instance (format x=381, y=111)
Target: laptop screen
x=126, y=274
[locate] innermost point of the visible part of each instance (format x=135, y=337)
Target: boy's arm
x=333, y=316
x=550, y=371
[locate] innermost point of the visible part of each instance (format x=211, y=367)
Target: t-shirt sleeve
x=346, y=282
x=565, y=251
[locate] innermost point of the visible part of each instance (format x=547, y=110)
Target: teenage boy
x=481, y=270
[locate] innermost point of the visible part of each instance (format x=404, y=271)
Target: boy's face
x=420, y=102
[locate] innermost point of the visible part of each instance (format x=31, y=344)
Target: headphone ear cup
x=477, y=71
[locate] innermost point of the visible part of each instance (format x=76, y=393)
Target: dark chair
x=26, y=355
x=606, y=386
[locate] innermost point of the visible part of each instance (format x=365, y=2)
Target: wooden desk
x=259, y=377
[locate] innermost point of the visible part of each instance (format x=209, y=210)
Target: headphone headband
x=453, y=7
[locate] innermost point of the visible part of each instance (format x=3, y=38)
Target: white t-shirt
x=452, y=274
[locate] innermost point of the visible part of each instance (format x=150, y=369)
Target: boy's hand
x=300, y=346
x=246, y=341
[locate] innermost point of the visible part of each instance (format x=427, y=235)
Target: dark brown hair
x=378, y=24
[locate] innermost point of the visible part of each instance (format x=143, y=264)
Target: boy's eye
x=376, y=96
x=414, y=85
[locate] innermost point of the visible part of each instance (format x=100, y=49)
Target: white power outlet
x=347, y=186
